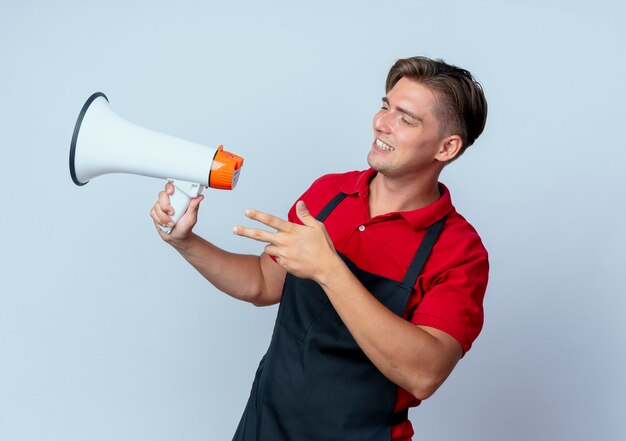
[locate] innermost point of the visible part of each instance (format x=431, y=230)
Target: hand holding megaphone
x=103, y=143
x=162, y=213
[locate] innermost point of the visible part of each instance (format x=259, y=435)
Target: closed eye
x=408, y=118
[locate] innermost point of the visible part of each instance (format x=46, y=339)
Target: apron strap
x=423, y=251
x=330, y=206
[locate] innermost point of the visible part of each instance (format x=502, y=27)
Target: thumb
x=303, y=214
x=194, y=204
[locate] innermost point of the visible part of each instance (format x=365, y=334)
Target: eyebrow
x=402, y=110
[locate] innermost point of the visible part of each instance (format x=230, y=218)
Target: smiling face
x=407, y=138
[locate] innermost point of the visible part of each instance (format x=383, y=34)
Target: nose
x=382, y=123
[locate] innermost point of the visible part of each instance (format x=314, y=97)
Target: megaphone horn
x=103, y=142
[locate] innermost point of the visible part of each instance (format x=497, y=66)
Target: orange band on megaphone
x=224, y=170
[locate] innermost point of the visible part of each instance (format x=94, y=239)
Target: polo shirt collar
x=419, y=219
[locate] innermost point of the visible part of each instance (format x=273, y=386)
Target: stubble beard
x=379, y=166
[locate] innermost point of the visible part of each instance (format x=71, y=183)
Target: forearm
x=406, y=354
x=238, y=275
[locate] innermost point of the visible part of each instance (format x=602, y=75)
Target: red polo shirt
x=448, y=294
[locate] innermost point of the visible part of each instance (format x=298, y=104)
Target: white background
x=107, y=334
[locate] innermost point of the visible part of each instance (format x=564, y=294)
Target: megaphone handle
x=183, y=193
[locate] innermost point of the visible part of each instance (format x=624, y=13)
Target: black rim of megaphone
x=83, y=111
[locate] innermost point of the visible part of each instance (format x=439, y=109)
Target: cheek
x=406, y=139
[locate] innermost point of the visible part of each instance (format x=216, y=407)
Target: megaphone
x=103, y=142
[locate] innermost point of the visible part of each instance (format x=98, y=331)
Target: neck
x=392, y=195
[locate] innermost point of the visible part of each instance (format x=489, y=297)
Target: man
x=380, y=281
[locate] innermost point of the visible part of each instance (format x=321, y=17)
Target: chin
x=371, y=164
x=377, y=167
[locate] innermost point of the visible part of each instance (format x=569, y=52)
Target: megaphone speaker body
x=103, y=143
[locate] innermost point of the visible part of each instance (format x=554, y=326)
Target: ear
x=449, y=148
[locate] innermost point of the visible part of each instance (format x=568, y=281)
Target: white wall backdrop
x=107, y=334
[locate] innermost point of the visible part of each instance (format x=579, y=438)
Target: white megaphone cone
x=103, y=142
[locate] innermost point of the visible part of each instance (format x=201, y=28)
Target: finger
x=157, y=222
x=164, y=202
x=154, y=216
x=162, y=218
x=268, y=219
x=272, y=250
x=303, y=214
x=253, y=233
x=169, y=188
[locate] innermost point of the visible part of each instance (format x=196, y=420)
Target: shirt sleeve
x=453, y=303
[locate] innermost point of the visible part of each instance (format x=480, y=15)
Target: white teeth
x=381, y=145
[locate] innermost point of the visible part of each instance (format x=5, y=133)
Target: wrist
x=328, y=270
x=181, y=243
